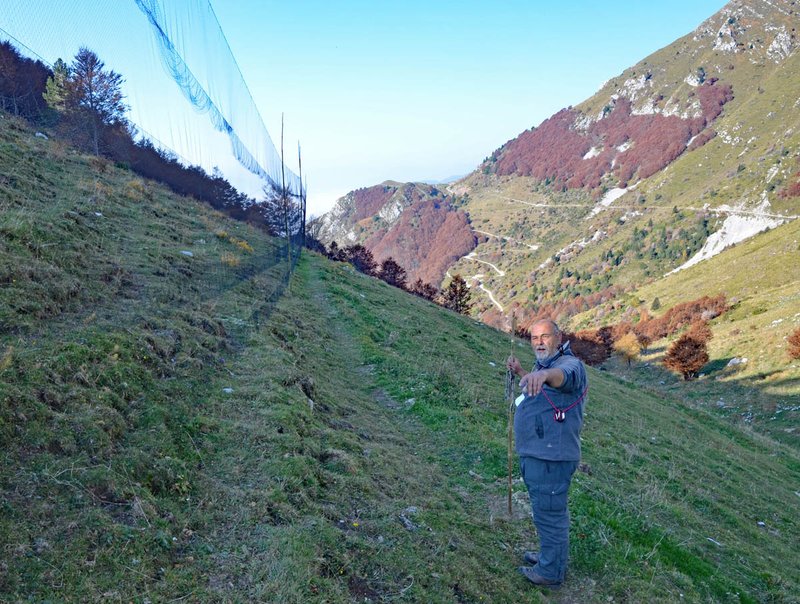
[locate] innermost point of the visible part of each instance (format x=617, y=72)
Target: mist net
x=182, y=84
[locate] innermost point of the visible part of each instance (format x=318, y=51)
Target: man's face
x=544, y=341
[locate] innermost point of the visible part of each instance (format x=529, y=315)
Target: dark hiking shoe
x=537, y=579
x=531, y=558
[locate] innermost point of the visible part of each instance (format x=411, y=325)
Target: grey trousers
x=548, y=483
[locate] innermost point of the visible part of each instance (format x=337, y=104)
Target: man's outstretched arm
x=532, y=383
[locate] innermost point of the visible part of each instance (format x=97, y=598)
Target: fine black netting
x=182, y=84
x=186, y=117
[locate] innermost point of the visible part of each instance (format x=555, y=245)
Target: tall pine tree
x=456, y=296
x=93, y=100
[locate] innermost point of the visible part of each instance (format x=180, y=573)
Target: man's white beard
x=543, y=357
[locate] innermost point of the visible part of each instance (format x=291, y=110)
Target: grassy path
x=345, y=499
x=391, y=488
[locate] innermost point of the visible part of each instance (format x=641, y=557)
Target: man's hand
x=531, y=383
x=514, y=365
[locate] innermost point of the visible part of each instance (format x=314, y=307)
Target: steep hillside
x=750, y=377
x=172, y=431
x=416, y=224
x=120, y=304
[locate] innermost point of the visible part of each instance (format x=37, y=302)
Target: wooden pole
x=285, y=203
x=302, y=193
x=510, y=377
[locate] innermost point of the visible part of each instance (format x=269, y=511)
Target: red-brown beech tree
x=361, y=258
x=424, y=290
x=686, y=356
x=794, y=344
x=589, y=347
x=699, y=330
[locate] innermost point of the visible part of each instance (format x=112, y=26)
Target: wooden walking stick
x=510, y=377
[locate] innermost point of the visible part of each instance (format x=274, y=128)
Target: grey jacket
x=536, y=431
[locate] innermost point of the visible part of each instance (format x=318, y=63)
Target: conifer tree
x=55, y=93
x=456, y=296
x=93, y=97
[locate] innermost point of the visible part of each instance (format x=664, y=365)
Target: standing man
x=547, y=428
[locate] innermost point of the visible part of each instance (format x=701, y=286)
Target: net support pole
x=510, y=428
x=302, y=194
x=285, y=203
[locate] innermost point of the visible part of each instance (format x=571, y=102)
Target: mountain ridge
x=592, y=256
x=416, y=224
x=653, y=148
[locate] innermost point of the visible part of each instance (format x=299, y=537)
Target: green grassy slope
x=760, y=278
x=160, y=444
x=663, y=477
x=116, y=299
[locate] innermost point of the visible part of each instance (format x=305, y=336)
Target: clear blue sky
x=424, y=90
x=373, y=91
